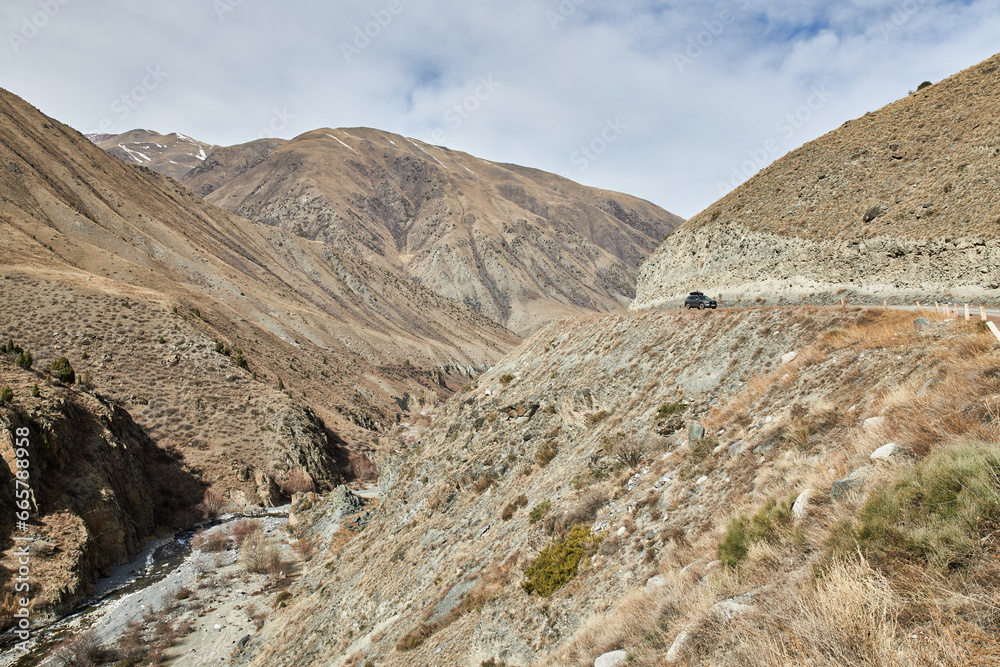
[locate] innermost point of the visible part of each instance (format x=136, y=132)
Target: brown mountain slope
x=172, y=154
x=135, y=279
x=590, y=426
x=518, y=245
x=900, y=203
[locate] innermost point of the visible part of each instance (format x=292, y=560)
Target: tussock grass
x=903, y=573
x=938, y=512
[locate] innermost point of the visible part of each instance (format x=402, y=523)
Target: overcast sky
x=670, y=101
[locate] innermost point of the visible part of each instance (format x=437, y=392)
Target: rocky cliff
x=99, y=489
x=898, y=204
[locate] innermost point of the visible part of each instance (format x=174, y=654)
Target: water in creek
x=157, y=560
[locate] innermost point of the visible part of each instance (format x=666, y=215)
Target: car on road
x=699, y=301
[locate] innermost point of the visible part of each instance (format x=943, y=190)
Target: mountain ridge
x=518, y=244
x=897, y=204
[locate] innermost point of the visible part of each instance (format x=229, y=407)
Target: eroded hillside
x=580, y=439
x=518, y=245
x=898, y=204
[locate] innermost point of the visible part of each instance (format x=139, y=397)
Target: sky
x=675, y=102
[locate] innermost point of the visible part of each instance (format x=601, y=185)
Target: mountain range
x=518, y=245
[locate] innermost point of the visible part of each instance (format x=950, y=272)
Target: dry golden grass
x=935, y=389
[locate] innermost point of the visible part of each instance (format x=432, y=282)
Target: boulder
x=345, y=502
x=855, y=480
x=789, y=358
x=612, y=659
x=885, y=452
x=801, y=505
x=727, y=610
x=695, y=432
x=677, y=648
x=268, y=493
x=737, y=447
x=920, y=323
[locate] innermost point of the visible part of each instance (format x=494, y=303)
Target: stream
x=134, y=590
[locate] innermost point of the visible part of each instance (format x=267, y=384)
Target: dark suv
x=699, y=301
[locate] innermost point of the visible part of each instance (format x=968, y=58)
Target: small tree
x=24, y=360
x=34, y=391
x=62, y=371
x=6, y=394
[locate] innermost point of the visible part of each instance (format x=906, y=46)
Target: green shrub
x=6, y=394
x=62, y=371
x=597, y=417
x=513, y=506
x=669, y=409
x=240, y=361
x=86, y=380
x=506, y=379
x=925, y=84
x=161, y=340
x=742, y=532
x=557, y=564
x=24, y=360
x=546, y=453
x=34, y=391
x=538, y=511
x=936, y=512
x=8, y=346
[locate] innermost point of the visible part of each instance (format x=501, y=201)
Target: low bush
x=538, y=511
x=937, y=512
x=513, y=506
x=244, y=528
x=6, y=394
x=546, y=453
x=597, y=417
x=62, y=371
x=558, y=563
x=670, y=409
x=582, y=512
x=24, y=360
x=742, y=532
x=506, y=379
x=258, y=555
x=417, y=636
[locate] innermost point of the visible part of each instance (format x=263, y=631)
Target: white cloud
x=701, y=85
